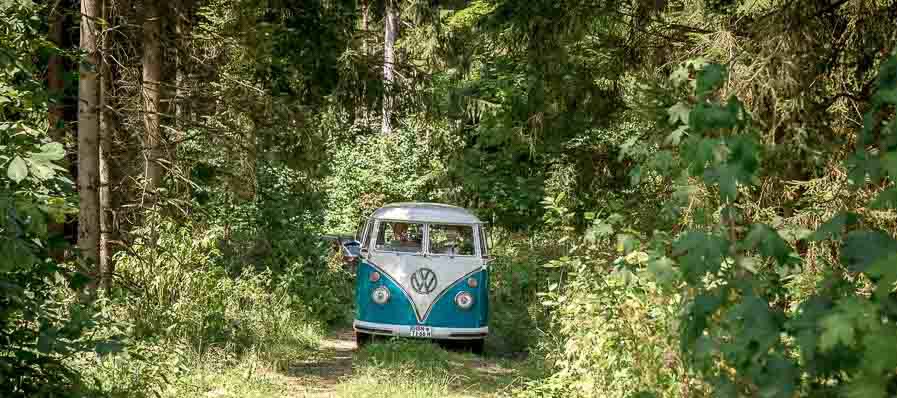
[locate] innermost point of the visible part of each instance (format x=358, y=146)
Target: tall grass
x=184, y=317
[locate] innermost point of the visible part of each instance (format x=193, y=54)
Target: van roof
x=426, y=212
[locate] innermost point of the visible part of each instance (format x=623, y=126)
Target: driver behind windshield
x=401, y=241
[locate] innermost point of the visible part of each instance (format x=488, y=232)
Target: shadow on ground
x=331, y=364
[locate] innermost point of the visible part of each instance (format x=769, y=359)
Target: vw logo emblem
x=423, y=281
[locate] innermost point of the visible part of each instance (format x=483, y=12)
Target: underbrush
x=612, y=335
x=517, y=319
x=186, y=322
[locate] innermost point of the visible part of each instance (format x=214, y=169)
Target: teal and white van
x=423, y=273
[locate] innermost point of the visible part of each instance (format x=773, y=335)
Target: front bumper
x=385, y=329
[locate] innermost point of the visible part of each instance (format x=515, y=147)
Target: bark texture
x=152, y=76
x=56, y=116
x=88, y=138
x=391, y=31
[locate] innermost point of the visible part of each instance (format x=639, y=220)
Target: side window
x=483, y=246
x=400, y=237
x=455, y=240
x=365, y=237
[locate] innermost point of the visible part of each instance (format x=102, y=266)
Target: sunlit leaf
x=663, y=271
x=17, y=169
x=678, y=113
x=50, y=152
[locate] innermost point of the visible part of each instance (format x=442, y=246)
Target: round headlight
x=464, y=300
x=380, y=295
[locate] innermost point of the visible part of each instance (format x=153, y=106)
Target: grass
x=313, y=366
x=409, y=368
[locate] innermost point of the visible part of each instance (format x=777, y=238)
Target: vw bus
x=422, y=273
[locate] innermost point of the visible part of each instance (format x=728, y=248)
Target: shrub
x=178, y=293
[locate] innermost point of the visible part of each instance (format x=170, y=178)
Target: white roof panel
x=426, y=212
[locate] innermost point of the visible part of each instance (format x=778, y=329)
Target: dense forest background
x=685, y=197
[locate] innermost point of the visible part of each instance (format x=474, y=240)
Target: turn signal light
x=375, y=276
x=472, y=283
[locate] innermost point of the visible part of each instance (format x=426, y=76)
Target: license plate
x=421, y=331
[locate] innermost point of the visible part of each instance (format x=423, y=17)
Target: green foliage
x=38, y=330
x=181, y=294
x=612, y=327
x=368, y=171
x=731, y=330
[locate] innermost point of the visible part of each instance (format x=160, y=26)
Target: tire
x=362, y=339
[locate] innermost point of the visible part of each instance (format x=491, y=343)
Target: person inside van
x=401, y=241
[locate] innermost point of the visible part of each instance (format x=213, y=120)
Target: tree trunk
x=152, y=76
x=88, y=140
x=56, y=116
x=106, y=132
x=365, y=15
x=391, y=27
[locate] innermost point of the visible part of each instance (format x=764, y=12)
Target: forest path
x=332, y=363
x=338, y=369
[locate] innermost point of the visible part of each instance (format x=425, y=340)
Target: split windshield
x=404, y=237
x=400, y=237
x=453, y=240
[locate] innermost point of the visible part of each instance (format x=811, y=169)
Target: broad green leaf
x=768, y=241
x=836, y=329
x=676, y=136
x=884, y=272
x=626, y=243
x=885, y=200
x=600, y=229
x=50, y=152
x=711, y=116
x=635, y=175
x=880, y=350
x=663, y=271
x=862, y=248
x=40, y=171
x=17, y=169
x=710, y=77
x=759, y=328
x=778, y=378
x=678, y=113
x=700, y=253
x=889, y=164
x=679, y=75
x=887, y=83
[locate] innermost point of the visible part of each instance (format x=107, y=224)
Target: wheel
x=477, y=346
x=362, y=339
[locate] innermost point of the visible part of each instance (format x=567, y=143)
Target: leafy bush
x=741, y=329
x=177, y=292
x=516, y=316
x=369, y=171
x=37, y=330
